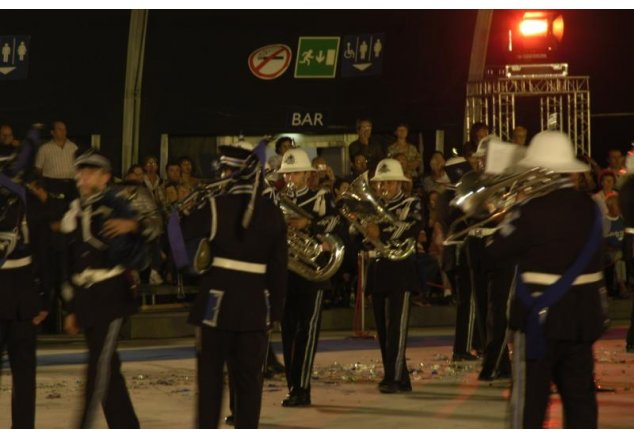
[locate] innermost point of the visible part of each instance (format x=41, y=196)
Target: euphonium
x=359, y=206
x=486, y=198
x=307, y=256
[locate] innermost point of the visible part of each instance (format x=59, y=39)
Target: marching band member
x=241, y=292
x=301, y=319
x=391, y=283
x=23, y=277
x=558, y=309
x=104, y=240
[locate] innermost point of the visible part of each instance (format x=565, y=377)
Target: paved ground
x=161, y=378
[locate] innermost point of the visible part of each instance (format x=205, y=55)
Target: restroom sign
x=270, y=62
x=15, y=51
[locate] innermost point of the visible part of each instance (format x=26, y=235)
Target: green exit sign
x=316, y=57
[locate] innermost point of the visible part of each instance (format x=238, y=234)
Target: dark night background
x=196, y=80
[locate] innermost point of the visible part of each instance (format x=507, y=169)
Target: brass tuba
x=360, y=207
x=485, y=198
x=306, y=254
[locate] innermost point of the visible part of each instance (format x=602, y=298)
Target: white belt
x=232, y=264
x=91, y=276
x=549, y=279
x=16, y=263
x=629, y=230
x=482, y=231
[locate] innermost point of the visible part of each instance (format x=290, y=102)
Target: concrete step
x=170, y=320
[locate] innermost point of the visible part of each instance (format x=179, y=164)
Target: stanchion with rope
x=358, y=321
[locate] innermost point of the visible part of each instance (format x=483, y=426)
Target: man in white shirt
x=55, y=163
x=55, y=158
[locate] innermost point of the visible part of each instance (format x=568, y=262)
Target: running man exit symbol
x=362, y=55
x=317, y=57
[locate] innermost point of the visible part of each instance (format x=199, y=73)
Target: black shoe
x=389, y=387
x=629, y=348
x=229, y=420
x=405, y=386
x=466, y=356
x=297, y=399
x=485, y=375
x=503, y=376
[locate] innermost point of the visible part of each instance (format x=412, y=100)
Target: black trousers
x=496, y=354
x=391, y=315
x=479, y=282
x=301, y=323
x=18, y=337
x=244, y=353
x=460, y=280
x=570, y=366
x=105, y=385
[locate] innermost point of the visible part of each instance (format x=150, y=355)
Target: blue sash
x=535, y=338
x=176, y=240
x=14, y=187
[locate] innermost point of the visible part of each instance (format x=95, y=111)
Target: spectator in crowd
x=402, y=146
x=54, y=160
x=616, y=164
x=341, y=185
x=55, y=163
x=359, y=165
x=615, y=273
x=478, y=132
x=135, y=174
x=438, y=179
x=187, y=178
x=324, y=178
x=607, y=180
x=173, y=189
x=519, y=135
x=6, y=136
x=134, y=181
x=365, y=144
x=151, y=179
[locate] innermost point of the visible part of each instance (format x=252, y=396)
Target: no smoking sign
x=270, y=62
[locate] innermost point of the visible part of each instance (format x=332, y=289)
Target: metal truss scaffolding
x=564, y=105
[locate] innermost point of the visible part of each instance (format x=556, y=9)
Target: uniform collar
x=301, y=192
x=397, y=198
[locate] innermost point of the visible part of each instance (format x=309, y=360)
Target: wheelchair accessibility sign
x=362, y=55
x=14, y=56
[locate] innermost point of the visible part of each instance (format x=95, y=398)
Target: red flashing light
x=534, y=27
x=535, y=34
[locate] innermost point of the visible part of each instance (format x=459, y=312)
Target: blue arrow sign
x=362, y=55
x=14, y=56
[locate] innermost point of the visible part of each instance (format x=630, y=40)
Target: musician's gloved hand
x=117, y=227
x=372, y=231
